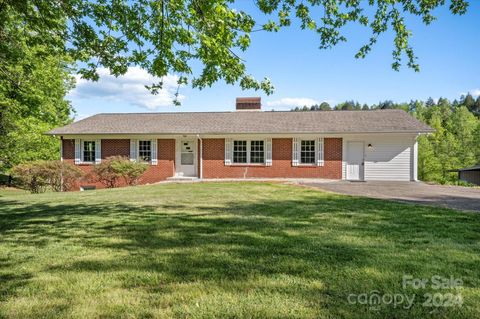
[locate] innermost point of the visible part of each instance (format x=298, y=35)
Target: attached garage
x=388, y=157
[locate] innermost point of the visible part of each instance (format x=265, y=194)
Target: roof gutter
x=246, y=133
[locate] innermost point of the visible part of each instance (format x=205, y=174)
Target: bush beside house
x=38, y=176
x=111, y=171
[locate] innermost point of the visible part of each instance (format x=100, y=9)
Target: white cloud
x=290, y=102
x=129, y=88
x=474, y=92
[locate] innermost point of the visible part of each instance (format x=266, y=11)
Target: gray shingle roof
x=379, y=121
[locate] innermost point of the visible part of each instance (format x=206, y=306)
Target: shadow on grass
x=310, y=238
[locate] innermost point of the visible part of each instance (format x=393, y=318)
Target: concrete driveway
x=456, y=197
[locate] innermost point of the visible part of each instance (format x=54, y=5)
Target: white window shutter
x=133, y=150
x=320, y=160
x=268, y=158
x=98, y=151
x=78, y=152
x=295, y=151
x=154, y=152
x=228, y=151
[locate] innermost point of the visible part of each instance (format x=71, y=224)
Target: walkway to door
x=456, y=197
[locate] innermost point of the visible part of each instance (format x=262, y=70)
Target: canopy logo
x=375, y=299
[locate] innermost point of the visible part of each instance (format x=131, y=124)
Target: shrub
x=111, y=170
x=106, y=174
x=128, y=170
x=62, y=176
x=39, y=175
x=31, y=176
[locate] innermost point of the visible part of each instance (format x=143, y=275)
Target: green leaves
x=455, y=143
x=35, y=75
x=116, y=168
x=201, y=40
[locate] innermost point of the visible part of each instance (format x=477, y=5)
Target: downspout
x=201, y=156
x=415, y=159
x=61, y=148
x=61, y=163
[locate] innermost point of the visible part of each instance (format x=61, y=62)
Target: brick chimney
x=249, y=104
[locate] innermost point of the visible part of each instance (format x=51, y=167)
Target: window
x=307, y=152
x=257, y=152
x=187, y=157
x=240, y=151
x=88, y=151
x=249, y=152
x=145, y=151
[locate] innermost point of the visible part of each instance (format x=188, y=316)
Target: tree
x=476, y=108
x=346, y=106
x=469, y=102
x=200, y=41
x=365, y=107
x=443, y=102
x=430, y=102
x=33, y=82
x=324, y=106
x=386, y=105
x=454, y=144
x=416, y=108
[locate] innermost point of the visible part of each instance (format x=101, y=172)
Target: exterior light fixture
x=370, y=145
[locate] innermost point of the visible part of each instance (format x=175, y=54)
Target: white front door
x=355, y=161
x=186, y=157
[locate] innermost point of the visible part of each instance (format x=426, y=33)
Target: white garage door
x=388, y=159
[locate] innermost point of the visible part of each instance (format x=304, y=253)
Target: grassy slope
x=226, y=250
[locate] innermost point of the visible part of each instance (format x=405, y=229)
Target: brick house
x=250, y=143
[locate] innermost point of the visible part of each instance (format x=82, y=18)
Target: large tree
x=34, y=79
x=177, y=36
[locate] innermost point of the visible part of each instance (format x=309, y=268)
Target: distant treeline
x=472, y=104
x=455, y=143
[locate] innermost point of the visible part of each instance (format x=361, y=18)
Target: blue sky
x=448, y=52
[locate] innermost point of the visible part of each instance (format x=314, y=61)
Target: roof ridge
x=237, y=112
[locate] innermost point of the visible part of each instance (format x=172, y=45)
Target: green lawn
x=228, y=250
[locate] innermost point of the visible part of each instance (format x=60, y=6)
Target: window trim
x=249, y=142
x=82, y=152
x=139, y=159
x=315, y=151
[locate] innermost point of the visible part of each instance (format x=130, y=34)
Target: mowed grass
x=228, y=250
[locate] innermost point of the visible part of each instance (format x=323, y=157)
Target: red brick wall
x=155, y=173
x=68, y=147
x=115, y=148
x=213, y=162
